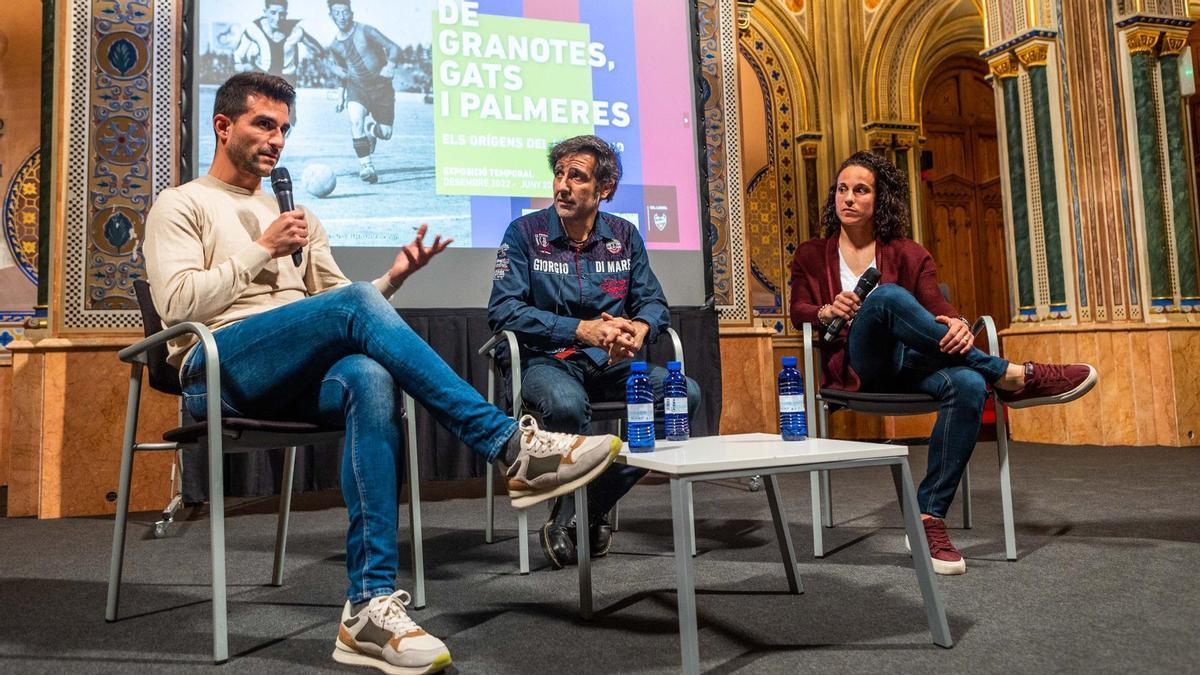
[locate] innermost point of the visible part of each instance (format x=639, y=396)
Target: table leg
x=583, y=552
x=814, y=482
x=689, y=640
x=934, y=612
x=782, y=534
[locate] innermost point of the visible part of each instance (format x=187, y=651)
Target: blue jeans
x=893, y=346
x=342, y=357
x=559, y=391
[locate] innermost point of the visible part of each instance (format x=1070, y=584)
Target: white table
x=766, y=455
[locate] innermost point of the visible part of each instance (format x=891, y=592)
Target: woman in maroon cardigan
x=904, y=336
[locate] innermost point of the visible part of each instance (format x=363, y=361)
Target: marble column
x=1141, y=43
x=1047, y=232
x=1005, y=69
x=1178, y=160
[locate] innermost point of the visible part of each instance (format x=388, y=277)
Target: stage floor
x=1109, y=543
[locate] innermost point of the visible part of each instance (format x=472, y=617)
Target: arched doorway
x=963, y=206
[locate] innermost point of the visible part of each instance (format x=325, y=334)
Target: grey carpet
x=1109, y=540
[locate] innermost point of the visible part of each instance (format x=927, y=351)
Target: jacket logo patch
x=615, y=287
x=541, y=240
x=613, y=246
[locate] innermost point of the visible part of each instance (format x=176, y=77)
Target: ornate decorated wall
x=114, y=83
x=20, y=173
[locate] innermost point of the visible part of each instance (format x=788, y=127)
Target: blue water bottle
x=639, y=400
x=793, y=425
x=675, y=403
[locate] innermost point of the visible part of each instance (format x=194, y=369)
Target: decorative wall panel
x=718, y=64
x=20, y=163
x=121, y=82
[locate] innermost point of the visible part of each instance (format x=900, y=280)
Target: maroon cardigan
x=816, y=279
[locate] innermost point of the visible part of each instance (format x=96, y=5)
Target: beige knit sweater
x=203, y=263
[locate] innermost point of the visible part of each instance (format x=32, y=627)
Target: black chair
x=219, y=435
x=500, y=360
x=826, y=400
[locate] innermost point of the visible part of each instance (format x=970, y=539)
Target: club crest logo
x=541, y=240
x=613, y=246
x=660, y=220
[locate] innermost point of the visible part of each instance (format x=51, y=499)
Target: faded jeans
x=342, y=358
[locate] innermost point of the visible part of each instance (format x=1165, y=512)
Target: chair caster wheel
x=755, y=483
x=160, y=528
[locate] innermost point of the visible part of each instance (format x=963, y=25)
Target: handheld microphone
x=866, y=284
x=281, y=185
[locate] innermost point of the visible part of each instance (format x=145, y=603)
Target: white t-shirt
x=850, y=279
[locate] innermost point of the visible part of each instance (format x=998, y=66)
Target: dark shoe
x=945, y=557
x=558, y=538
x=600, y=535
x=1050, y=383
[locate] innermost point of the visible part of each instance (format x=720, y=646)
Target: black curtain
x=456, y=335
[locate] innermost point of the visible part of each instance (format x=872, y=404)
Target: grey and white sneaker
x=383, y=636
x=550, y=464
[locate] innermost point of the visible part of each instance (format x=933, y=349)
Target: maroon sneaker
x=946, y=559
x=1050, y=383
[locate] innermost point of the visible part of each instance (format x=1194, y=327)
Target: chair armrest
x=136, y=354
x=987, y=324
x=514, y=350
x=137, y=351
x=677, y=346
x=811, y=378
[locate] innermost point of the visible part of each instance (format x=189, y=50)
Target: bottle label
x=791, y=403
x=641, y=412
x=675, y=406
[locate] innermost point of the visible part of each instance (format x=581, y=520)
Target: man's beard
x=246, y=157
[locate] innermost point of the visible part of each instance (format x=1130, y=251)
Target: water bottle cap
x=674, y=365
x=637, y=367
x=789, y=362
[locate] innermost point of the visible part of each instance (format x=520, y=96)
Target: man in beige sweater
x=303, y=342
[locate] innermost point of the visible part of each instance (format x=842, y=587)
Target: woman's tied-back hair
x=891, y=198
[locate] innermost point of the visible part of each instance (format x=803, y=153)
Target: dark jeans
x=559, y=391
x=342, y=357
x=893, y=346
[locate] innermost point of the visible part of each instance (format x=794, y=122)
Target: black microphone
x=281, y=185
x=866, y=284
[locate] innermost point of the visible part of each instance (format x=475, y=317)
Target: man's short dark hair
x=330, y=3
x=268, y=3
x=232, y=97
x=608, y=162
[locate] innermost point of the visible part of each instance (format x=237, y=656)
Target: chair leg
x=285, y=512
x=489, y=504
x=615, y=516
x=965, y=493
x=216, y=512
x=412, y=471
x=827, y=499
x=118, y=546
x=1006, y=499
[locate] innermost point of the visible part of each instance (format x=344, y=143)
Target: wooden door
x=964, y=213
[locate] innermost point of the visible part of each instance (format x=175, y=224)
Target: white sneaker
x=550, y=464
x=383, y=636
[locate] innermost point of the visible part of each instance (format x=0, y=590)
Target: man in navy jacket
x=576, y=287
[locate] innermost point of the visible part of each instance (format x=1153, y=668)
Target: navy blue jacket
x=543, y=287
